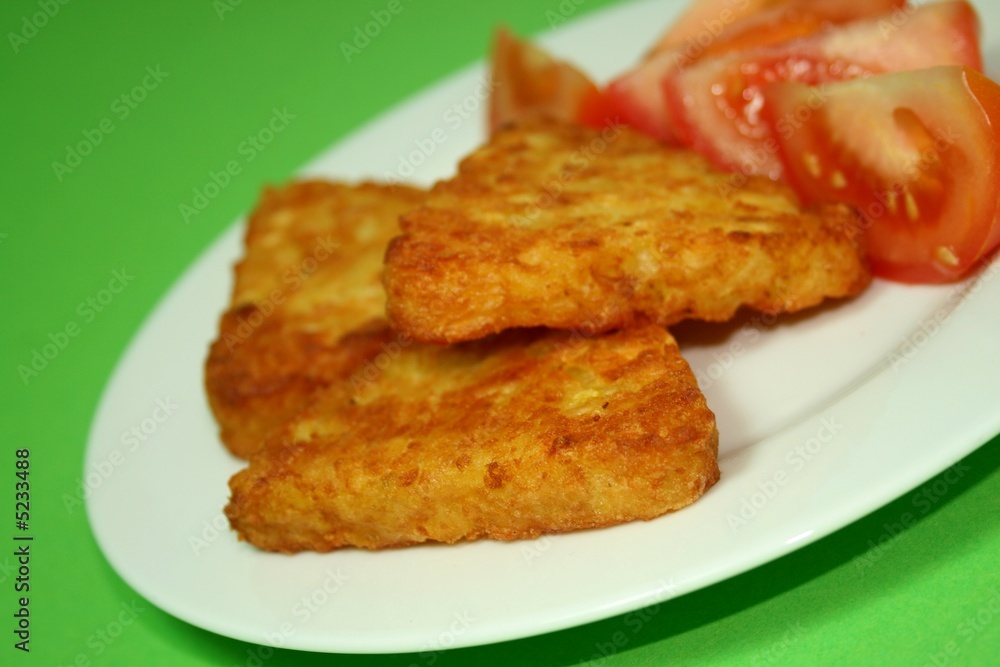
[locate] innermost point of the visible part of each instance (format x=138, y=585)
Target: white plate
x=823, y=418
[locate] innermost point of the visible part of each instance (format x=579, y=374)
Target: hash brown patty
x=553, y=224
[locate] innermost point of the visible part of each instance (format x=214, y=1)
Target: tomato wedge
x=768, y=21
x=528, y=83
x=917, y=153
x=712, y=27
x=716, y=102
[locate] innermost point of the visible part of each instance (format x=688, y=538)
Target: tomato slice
x=712, y=27
x=917, y=153
x=716, y=102
x=712, y=16
x=743, y=23
x=528, y=83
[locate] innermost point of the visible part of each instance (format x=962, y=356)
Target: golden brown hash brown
x=525, y=433
x=311, y=274
x=378, y=441
x=563, y=226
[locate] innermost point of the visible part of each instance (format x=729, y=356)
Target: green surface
x=929, y=596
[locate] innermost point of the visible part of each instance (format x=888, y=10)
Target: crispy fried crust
x=564, y=226
x=526, y=433
x=310, y=275
x=377, y=441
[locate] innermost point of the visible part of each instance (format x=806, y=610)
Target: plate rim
x=983, y=431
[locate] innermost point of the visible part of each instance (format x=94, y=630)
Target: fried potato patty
x=311, y=273
x=525, y=433
x=373, y=440
x=568, y=227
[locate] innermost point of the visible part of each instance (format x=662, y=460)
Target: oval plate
x=823, y=418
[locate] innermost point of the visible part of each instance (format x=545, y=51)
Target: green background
x=838, y=601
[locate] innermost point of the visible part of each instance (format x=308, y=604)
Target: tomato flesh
x=713, y=27
x=530, y=83
x=924, y=176
x=717, y=101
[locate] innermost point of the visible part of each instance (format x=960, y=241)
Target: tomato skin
x=528, y=82
x=987, y=94
x=924, y=176
x=772, y=21
x=637, y=98
x=702, y=15
x=714, y=27
x=716, y=102
x=596, y=109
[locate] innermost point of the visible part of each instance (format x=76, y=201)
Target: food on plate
x=310, y=275
x=523, y=434
x=716, y=24
x=377, y=441
x=458, y=416
x=918, y=154
x=551, y=224
x=715, y=103
x=746, y=84
x=713, y=27
x=528, y=83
